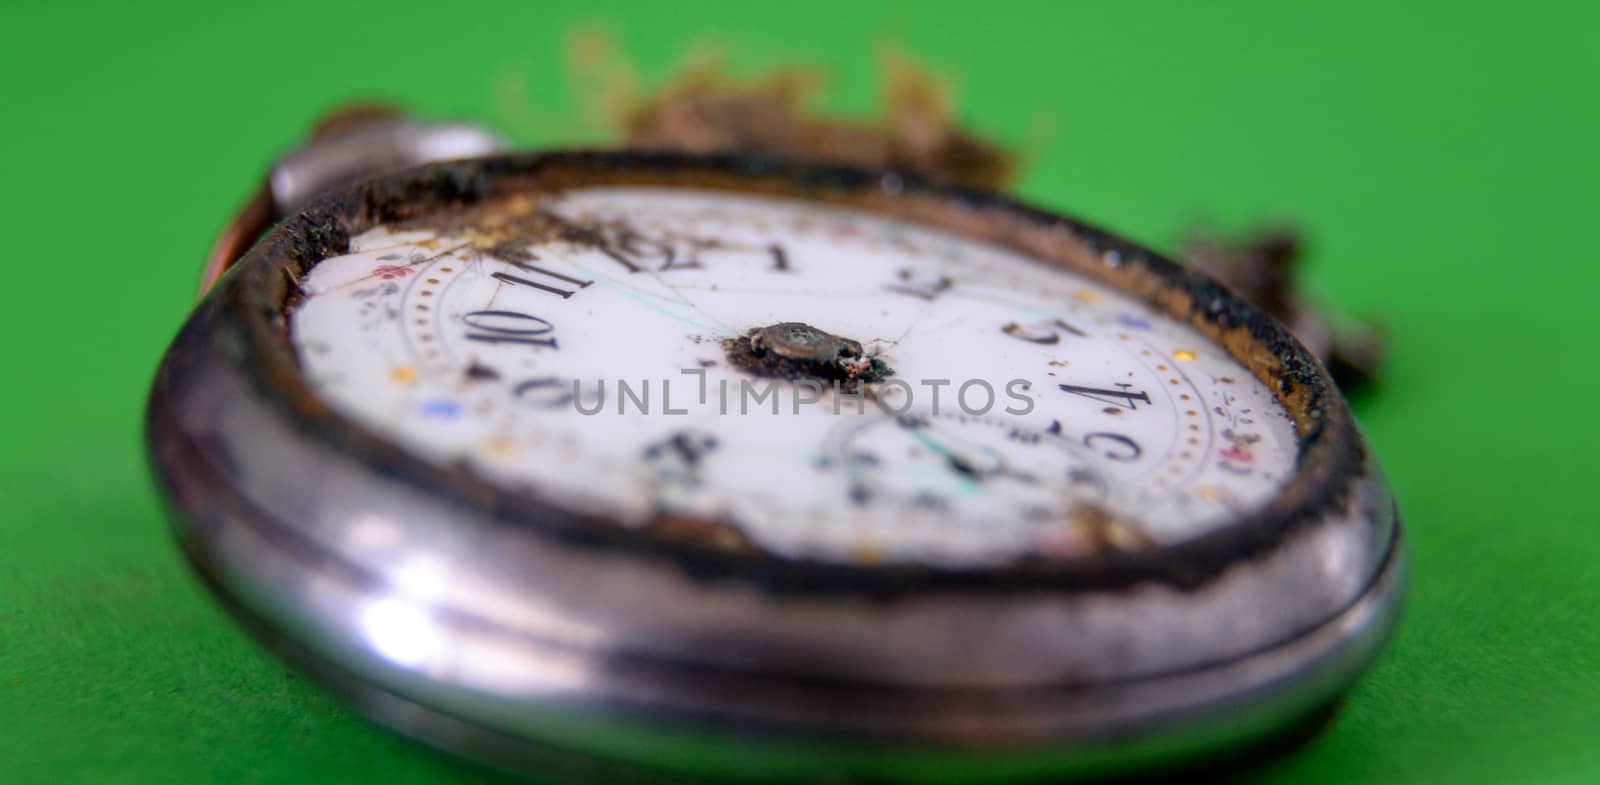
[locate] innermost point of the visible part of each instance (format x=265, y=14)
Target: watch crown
x=368, y=140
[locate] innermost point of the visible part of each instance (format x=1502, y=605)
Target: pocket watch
x=600, y=465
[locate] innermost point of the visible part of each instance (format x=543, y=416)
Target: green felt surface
x=1443, y=159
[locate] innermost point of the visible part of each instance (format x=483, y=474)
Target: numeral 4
x=1125, y=397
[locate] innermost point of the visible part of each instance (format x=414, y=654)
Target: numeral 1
x=780, y=258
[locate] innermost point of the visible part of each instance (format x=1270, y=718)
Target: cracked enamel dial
x=757, y=373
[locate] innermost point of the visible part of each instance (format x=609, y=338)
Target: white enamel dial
x=596, y=349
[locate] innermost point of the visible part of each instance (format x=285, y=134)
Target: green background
x=1442, y=158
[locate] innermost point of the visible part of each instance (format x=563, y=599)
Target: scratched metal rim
x=1269, y=716
x=1332, y=454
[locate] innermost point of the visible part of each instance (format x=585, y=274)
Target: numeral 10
x=509, y=327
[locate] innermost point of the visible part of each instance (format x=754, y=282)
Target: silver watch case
x=583, y=648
